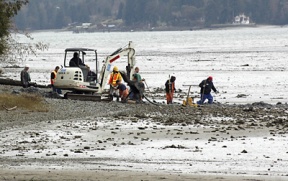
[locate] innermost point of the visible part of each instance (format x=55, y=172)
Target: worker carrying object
x=53, y=78
x=206, y=87
x=114, y=76
x=170, y=89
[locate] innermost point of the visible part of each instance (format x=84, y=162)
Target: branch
x=9, y=109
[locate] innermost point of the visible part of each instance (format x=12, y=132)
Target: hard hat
x=26, y=66
x=210, y=78
x=115, y=69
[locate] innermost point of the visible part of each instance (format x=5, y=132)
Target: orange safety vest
x=53, y=80
x=114, y=77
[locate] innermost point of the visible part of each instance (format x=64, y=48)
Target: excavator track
x=88, y=97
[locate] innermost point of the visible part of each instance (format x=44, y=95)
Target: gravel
x=258, y=114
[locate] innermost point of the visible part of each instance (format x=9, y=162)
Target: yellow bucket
x=189, y=102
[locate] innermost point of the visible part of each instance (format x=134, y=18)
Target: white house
x=241, y=19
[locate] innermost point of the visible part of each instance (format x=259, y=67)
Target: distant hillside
x=147, y=14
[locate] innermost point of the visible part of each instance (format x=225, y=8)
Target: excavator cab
x=84, y=55
x=75, y=75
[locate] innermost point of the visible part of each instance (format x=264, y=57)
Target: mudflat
x=83, y=140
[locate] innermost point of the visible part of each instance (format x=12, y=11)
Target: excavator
x=80, y=86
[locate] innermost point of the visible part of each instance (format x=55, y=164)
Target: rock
x=244, y=151
x=78, y=151
x=241, y=96
x=248, y=109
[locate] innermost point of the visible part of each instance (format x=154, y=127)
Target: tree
x=129, y=12
x=211, y=13
x=120, y=11
x=45, y=14
x=7, y=11
x=9, y=47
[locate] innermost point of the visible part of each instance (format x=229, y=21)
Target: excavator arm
x=105, y=71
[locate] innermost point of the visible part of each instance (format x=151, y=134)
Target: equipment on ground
x=189, y=100
x=77, y=79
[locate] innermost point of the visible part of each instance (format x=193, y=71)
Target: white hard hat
x=27, y=66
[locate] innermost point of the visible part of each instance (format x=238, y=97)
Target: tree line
x=43, y=14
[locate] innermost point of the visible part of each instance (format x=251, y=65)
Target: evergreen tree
x=7, y=11
x=42, y=14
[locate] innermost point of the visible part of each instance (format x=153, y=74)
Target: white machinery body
x=72, y=78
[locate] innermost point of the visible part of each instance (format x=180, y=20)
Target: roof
x=78, y=49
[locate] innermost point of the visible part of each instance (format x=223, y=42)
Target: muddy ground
x=76, y=140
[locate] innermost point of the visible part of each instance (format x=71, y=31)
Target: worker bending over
x=123, y=91
x=206, y=87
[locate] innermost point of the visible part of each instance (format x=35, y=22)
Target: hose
x=156, y=104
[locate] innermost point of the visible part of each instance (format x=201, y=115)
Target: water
x=249, y=61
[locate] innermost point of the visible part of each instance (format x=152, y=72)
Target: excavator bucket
x=138, y=85
x=125, y=77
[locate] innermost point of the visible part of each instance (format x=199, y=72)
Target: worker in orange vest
x=53, y=79
x=114, y=76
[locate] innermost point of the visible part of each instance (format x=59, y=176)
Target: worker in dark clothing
x=91, y=76
x=170, y=89
x=136, y=88
x=206, y=87
x=76, y=61
x=25, y=77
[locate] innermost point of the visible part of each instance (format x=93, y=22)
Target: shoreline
x=212, y=27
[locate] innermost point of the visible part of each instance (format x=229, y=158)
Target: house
x=241, y=19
